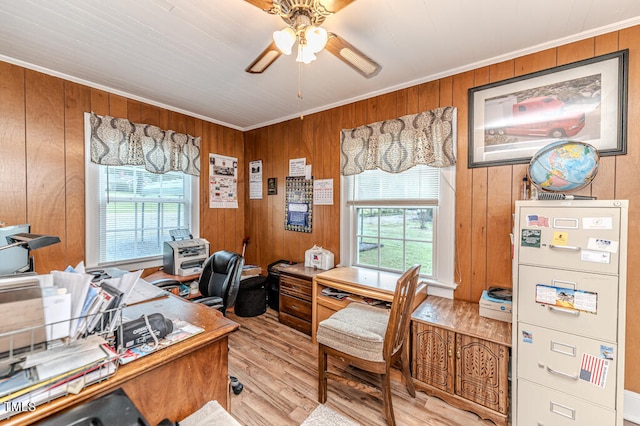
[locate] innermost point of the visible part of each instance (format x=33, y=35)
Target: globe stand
x=558, y=196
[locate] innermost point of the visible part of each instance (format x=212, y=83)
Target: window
x=391, y=221
x=130, y=211
x=394, y=237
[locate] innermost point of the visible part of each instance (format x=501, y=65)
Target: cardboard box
x=497, y=309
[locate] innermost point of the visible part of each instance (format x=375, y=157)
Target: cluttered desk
x=40, y=378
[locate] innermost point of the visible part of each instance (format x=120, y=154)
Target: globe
x=564, y=166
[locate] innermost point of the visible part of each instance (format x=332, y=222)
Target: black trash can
x=252, y=297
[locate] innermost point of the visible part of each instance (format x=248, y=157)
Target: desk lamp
x=30, y=241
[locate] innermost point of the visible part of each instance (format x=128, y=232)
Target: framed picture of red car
x=510, y=120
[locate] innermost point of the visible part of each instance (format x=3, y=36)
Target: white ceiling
x=190, y=55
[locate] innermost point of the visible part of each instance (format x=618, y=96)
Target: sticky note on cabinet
x=560, y=238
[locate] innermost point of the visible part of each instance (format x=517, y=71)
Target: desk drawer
x=296, y=287
x=554, y=359
x=539, y=405
x=296, y=323
x=601, y=324
x=294, y=306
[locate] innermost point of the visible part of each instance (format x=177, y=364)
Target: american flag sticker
x=594, y=370
x=535, y=220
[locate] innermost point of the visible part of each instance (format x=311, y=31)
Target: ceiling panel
x=190, y=55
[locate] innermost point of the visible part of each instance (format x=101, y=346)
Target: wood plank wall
x=42, y=169
x=42, y=160
x=485, y=196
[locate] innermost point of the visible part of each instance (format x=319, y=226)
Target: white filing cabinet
x=569, y=284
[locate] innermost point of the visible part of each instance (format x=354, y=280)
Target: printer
x=496, y=303
x=185, y=257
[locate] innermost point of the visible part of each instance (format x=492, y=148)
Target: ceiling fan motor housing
x=296, y=12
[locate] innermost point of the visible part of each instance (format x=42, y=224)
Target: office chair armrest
x=212, y=302
x=164, y=282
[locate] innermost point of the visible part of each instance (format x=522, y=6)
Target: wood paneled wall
x=485, y=196
x=42, y=160
x=42, y=169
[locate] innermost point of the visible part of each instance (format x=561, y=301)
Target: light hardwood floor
x=278, y=367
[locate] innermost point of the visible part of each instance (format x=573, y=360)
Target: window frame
x=442, y=283
x=92, y=214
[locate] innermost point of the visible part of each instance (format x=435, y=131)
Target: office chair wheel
x=236, y=386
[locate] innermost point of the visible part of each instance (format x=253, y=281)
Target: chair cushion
x=357, y=330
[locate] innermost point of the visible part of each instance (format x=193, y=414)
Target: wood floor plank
x=277, y=366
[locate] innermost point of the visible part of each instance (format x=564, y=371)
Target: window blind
x=416, y=186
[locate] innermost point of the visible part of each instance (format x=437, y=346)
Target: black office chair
x=219, y=283
x=219, y=280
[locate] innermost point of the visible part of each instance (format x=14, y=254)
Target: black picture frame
x=510, y=120
x=272, y=186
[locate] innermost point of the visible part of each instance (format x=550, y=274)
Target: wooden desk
x=295, y=296
x=161, y=275
x=359, y=281
x=171, y=383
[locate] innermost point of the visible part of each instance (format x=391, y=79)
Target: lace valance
x=397, y=145
x=118, y=142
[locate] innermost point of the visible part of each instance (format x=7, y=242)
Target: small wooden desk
x=161, y=275
x=359, y=281
x=171, y=383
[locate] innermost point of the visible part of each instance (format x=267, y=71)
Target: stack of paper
x=55, y=366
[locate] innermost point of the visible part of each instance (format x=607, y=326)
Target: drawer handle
x=567, y=248
x=560, y=373
x=562, y=410
x=564, y=311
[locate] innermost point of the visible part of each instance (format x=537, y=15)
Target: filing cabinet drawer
x=540, y=405
x=573, y=239
x=554, y=359
x=603, y=324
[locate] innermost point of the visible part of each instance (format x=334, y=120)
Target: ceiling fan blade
x=264, y=60
x=335, y=5
x=353, y=57
x=265, y=5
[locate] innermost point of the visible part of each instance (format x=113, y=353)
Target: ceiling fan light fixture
x=285, y=39
x=305, y=54
x=316, y=38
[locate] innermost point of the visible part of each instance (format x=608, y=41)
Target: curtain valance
x=397, y=145
x=118, y=142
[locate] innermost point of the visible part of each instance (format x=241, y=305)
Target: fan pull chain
x=300, y=89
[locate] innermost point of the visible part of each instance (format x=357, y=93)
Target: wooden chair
x=372, y=339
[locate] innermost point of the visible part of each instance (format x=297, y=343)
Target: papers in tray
x=56, y=366
x=336, y=294
x=71, y=384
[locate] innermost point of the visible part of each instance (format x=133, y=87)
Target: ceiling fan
x=304, y=19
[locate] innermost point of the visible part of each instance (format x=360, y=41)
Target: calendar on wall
x=323, y=191
x=298, y=208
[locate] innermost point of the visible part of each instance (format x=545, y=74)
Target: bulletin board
x=298, y=210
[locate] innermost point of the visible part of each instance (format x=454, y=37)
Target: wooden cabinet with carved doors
x=461, y=357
